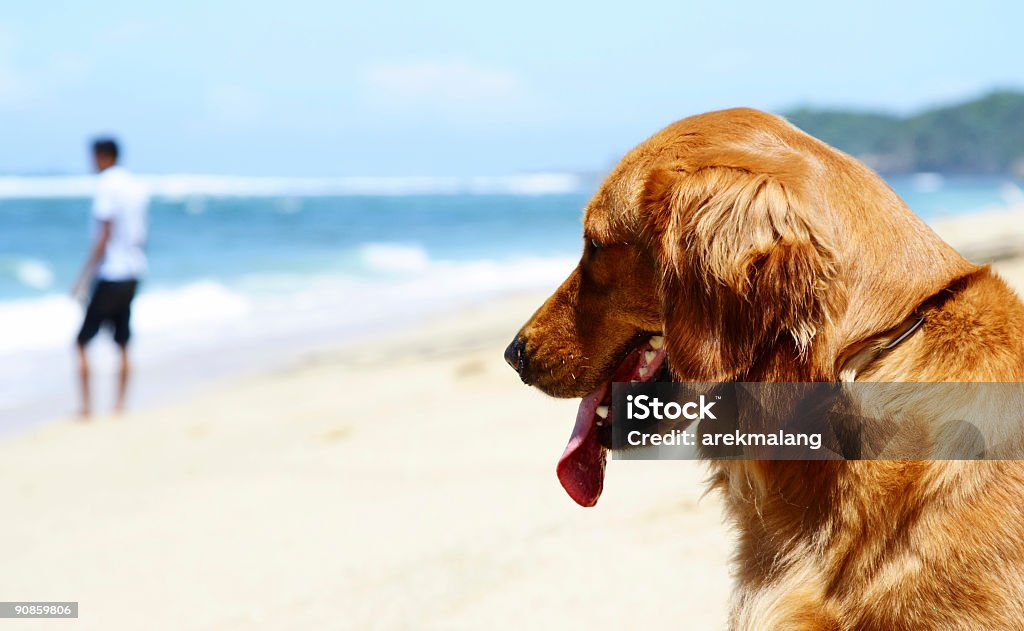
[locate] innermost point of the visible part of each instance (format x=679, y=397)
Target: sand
x=407, y=483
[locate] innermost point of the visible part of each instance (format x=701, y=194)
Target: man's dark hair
x=105, y=147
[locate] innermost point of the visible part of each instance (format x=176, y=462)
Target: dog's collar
x=871, y=351
x=902, y=336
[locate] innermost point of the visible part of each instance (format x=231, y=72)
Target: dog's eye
x=595, y=244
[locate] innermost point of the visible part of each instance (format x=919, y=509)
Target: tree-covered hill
x=983, y=136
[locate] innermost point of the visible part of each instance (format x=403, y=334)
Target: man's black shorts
x=111, y=304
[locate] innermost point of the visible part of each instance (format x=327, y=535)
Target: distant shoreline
x=980, y=136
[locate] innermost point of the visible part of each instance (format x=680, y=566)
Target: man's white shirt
x=122, y=199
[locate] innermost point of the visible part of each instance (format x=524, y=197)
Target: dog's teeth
x=602, y=411
x=643, y=371
x=656, y=341
x=649, y=356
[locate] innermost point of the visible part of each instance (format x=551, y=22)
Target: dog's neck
x=766, y=491
x=847, y=347
x=878, y=306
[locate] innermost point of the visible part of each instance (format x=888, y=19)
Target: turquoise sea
x=248, y=268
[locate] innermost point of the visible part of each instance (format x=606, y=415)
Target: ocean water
x=244, y=269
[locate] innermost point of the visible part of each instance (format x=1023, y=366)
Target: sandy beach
x=404, y=483
x=407, y=483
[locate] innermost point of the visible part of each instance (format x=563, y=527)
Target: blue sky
x=459, y=87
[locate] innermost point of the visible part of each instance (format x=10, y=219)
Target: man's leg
x=83, y=382
x=122, y=380
x=90, y=326
x=122, y=333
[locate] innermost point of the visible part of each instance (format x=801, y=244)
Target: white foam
x=202, y=302
x=38, y=323
x=214, y=325
x=34, y=273
x=412, y=282
x=186, y=186
x=394, y=257
x=47, y=187
x=52, y=321
x=208, y=309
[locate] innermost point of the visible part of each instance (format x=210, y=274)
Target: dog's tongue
x=581, y=467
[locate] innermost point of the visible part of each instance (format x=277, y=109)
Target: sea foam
x=185, y=186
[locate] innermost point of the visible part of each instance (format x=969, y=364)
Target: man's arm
x=99, y=248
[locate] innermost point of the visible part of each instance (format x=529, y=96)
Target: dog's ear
x=746, y=259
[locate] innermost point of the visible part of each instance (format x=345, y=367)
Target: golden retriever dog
x=731, y=246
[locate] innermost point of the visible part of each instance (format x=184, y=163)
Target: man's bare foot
x=84, y=415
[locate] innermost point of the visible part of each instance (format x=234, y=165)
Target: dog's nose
x=515, y=355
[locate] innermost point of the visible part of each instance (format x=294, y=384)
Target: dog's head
x=710, y=253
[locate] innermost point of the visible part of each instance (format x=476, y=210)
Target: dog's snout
x=515, y=355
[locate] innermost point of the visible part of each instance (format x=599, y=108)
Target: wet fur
x=766, y=255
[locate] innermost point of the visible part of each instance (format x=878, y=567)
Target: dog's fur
x=763, y=254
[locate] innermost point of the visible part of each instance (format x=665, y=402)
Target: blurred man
x=115, y=263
